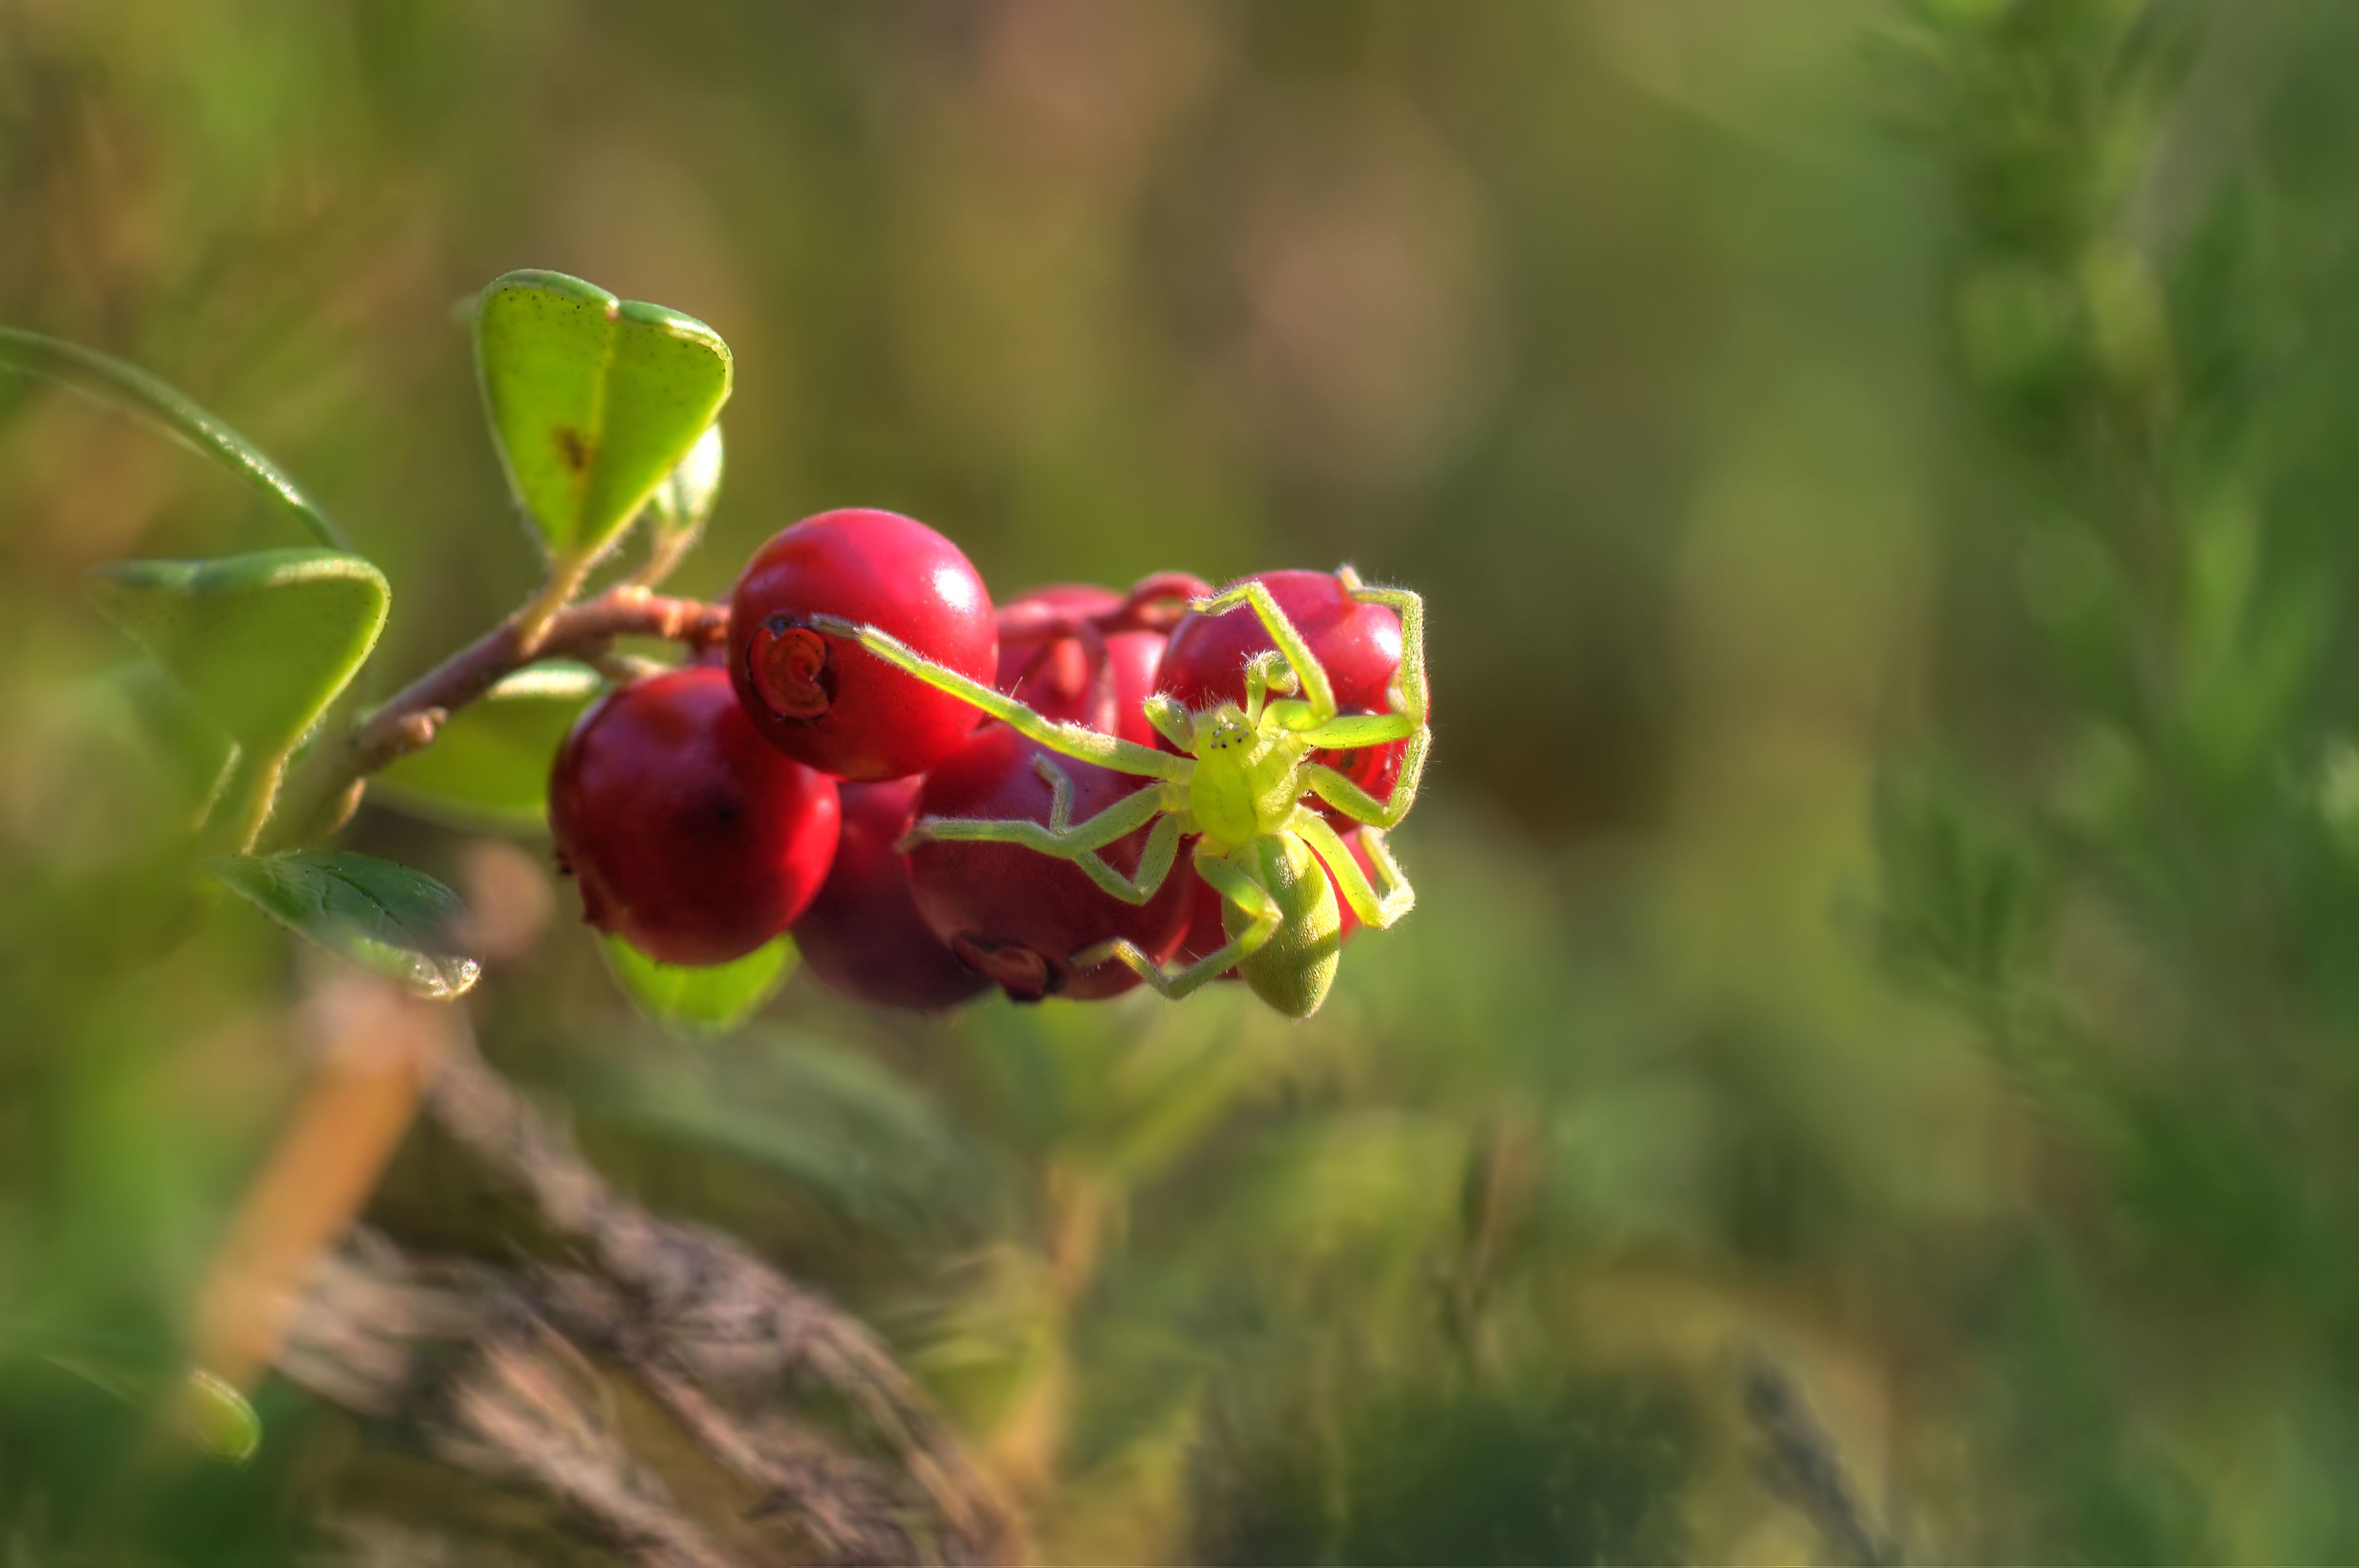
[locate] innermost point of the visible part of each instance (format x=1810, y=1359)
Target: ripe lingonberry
x=1360, y=645
x=828, y=702
x=862, y=936
x=1051, y=666
x=1207, y=935
x=691, y=839
x=1019, y=916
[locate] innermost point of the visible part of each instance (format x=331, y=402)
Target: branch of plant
x=721, y=1317
x=494, y=1369
x=413, y=716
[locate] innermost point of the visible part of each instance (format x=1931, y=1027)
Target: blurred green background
x=1889, y=868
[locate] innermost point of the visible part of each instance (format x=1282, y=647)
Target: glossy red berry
x=863, y=937
x=830, y=703
x=1053, y=669
x=1360, y=645
x=691, y=838
x=1206, y=934
x=1018, y=915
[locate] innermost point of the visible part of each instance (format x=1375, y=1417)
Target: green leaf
x=263, y=642
x=388, y=919
x=112, y=380
x=593, y=401
x=488, y=767
x=711, y=999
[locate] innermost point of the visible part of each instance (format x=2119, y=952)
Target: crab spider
x=1240, y=790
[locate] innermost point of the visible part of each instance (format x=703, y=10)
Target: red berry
x=1206, y=934
x=1360, y=645
x=830, y=703
x=1050, y=669
x=1018, y=915
x=862, y=936
x=691, y=838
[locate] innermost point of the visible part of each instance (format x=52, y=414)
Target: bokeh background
x=1889, y=868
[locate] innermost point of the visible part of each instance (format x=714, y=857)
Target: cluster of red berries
x=706, y=810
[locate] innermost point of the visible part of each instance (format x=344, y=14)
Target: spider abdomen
x=1294, y=968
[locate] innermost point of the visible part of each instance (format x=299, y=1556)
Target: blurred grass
x=1887, y=879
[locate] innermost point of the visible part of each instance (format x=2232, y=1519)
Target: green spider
x=1239, y=789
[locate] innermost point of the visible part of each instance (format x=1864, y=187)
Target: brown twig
x=528, y=1410
x=378, y=1049
x=508, y=1372
x=413, y=716
x=707, y=1310
x=520, y=1405
x=1800, y=1462
x=409, y=718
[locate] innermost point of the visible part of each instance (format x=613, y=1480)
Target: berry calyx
x=1360, y=645
x=827, y=702
x=1019, y=916
x=862, y=938
x=690, y=837
x=789, y=668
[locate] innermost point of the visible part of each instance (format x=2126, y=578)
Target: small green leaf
x=386, y=918
x=593, y=401
x=711, y=1000
x=263, y=642
x=488, y=767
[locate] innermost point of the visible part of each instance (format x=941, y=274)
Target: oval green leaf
x=263, y=642
x=388, y=919
x=593, y=401
x=488, y=767
x=711, y=999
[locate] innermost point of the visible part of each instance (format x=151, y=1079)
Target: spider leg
x=1079, y=842
x=1377, y=910
x=1358, y=803
x=1307, y=667
x=1410, y=701
x=1354, y=731
x=1235, y=886
x=1410, y=607
x=1266, y=672
x=1072, y=740
x=1169, y=717
x=1411, y=696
